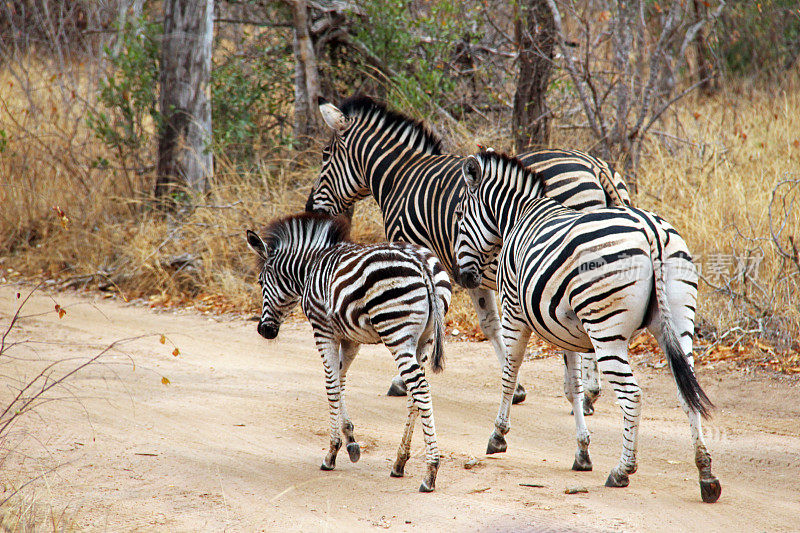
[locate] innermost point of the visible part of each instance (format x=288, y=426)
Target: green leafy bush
x=128, y=120
x=416, y=44
x=759, y=38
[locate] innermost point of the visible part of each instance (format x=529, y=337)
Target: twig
x=16, y=317
x=793, y=257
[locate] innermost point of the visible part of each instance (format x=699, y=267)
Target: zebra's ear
x=258, y=245
x=332, y=116
x=472, y=171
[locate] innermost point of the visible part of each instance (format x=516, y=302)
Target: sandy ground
x=235, y=441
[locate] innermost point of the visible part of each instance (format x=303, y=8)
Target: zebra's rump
x=571, y=270
x=377, y=291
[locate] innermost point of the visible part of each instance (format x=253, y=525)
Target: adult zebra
x=395, y=293
x=396, y=159
x=585, y=282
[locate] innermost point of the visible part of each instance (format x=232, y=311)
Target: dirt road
x=235, y=441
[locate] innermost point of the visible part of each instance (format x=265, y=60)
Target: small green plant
x=248, y=92
x=400, y=36
x=128, y=119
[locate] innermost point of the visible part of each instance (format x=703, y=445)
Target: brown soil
x=236, y=439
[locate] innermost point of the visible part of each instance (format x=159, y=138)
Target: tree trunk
x=535, y=36
x=704, y=67
x=184, y=157
x=306, y=76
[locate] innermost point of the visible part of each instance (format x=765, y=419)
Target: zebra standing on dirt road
x=585, y=282
x=396, y=159
x=394, y=293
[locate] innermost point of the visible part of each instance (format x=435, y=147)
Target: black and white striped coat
x=399, y=162
x=395, y=294
x=586, y=282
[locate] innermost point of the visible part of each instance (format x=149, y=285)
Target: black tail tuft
x=437, y=357
x=685, y=378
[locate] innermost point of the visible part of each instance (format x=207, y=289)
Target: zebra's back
x=577, y=179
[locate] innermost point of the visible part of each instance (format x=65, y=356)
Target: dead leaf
x=162, y=340
x=175, y=352
x=164, y=381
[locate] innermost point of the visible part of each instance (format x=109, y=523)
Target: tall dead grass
x=711, y=173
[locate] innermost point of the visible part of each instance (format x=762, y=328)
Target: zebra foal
x=586, y=282
x=396, y=294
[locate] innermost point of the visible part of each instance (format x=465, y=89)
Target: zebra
x=397, y=294
x=585, y=282
x=374, y=150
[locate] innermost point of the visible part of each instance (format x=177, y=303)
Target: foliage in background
x=416, y=41
x=250, y=93
x=128, y=120
x=759, y=39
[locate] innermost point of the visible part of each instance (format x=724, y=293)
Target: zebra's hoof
x=429, y=481
x=425, y=488
x=398, y=470
x=497, y=444
x=398, y=388
x=710, y=489
x=615, y=479
x=327, y=467
x=583, y=462
x=519, y=395
x=354, y=451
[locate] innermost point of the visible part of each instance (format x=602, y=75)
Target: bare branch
x=595, y=121
x=794, y=255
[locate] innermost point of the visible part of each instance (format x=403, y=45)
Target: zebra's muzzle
x=469, y=277
x=267, y=330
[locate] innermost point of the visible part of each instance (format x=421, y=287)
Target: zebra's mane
x=419, y=137
x=305, y=228
x=509, y=169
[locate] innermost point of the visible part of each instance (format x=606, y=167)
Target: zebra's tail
x=685, y=379
x=437, y=317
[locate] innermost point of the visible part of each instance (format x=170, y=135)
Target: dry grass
x=714, y=184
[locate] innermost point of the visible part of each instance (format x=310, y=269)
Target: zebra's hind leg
x=612, y=359
x=404, y=451
x=331, y=362
x=420, y=397
x=590, y=380
x=489, y=320
x=572, y=360
x=398, y=387
x=347, y=352
x=515, y=339
x=710, y=487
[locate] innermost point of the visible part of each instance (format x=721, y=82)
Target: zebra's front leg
x=347, y=352
x=489, y=320
x=515, y=339
x=573, y=380
x=612, y=359
x=418, y=389
x=329, y=350
x=404, y=451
